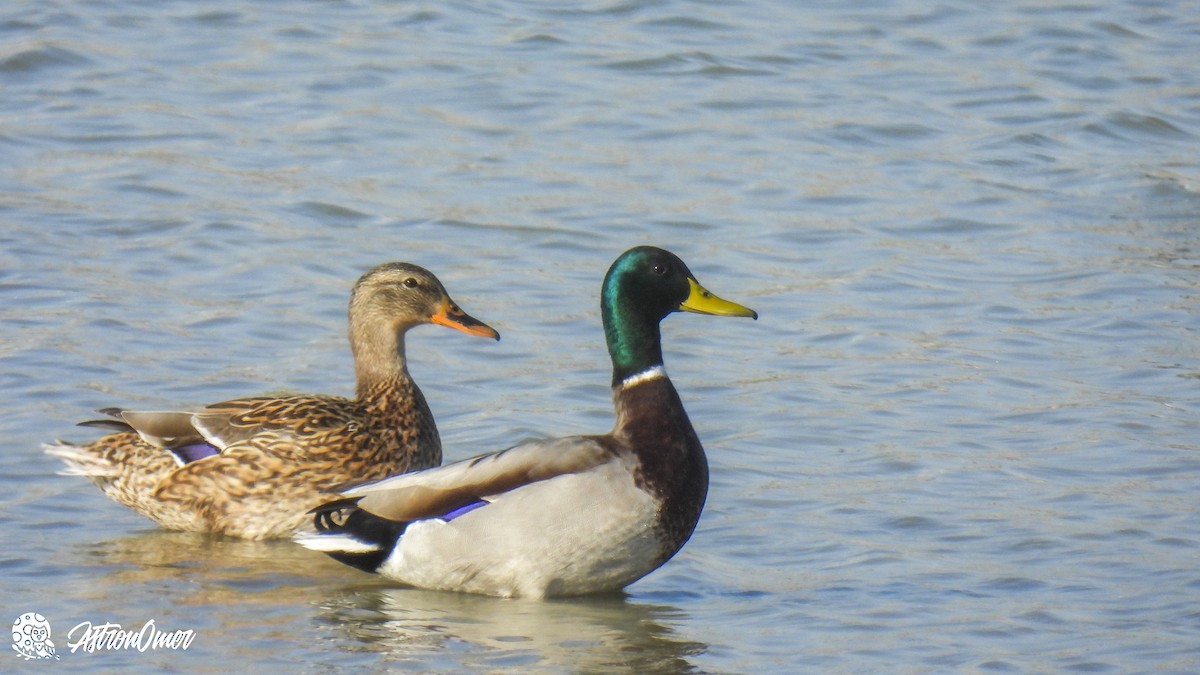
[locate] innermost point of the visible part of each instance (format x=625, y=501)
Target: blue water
x=963, y=436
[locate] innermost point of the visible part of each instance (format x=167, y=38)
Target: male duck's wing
x=434, y=492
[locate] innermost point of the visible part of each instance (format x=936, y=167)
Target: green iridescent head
x=642, y=287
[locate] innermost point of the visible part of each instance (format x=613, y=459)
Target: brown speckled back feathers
x=271, y=459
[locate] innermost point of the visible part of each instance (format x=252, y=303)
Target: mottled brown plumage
x=253, y=467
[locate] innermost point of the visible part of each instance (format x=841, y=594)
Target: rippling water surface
x=963, y=435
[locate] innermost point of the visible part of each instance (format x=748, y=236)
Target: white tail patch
x=334, y=543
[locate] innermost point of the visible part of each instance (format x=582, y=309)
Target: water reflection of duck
x=412, y=628
x=560, y=517
x=259, y=596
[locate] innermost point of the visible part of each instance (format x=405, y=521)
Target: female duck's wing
x=173, y=431
x=302, y=418
x=216, y=424
x=162, y=429
x=222, y=425
x=436, y=492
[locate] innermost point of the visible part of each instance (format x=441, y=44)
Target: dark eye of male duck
x=254, y=467
x=559, y=517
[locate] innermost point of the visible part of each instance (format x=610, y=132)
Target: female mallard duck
x=254, y=467
x=566, y=516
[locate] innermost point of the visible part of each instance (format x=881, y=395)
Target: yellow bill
x=702, y=301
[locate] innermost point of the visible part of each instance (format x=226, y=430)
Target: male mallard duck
x=254, y=467
x=559, y=517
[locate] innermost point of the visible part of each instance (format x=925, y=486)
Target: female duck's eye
x=411, y=283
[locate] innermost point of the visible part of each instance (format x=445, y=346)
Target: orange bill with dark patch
x=452, y=317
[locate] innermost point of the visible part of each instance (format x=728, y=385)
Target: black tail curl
x=333, y=516
x=345, y=518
